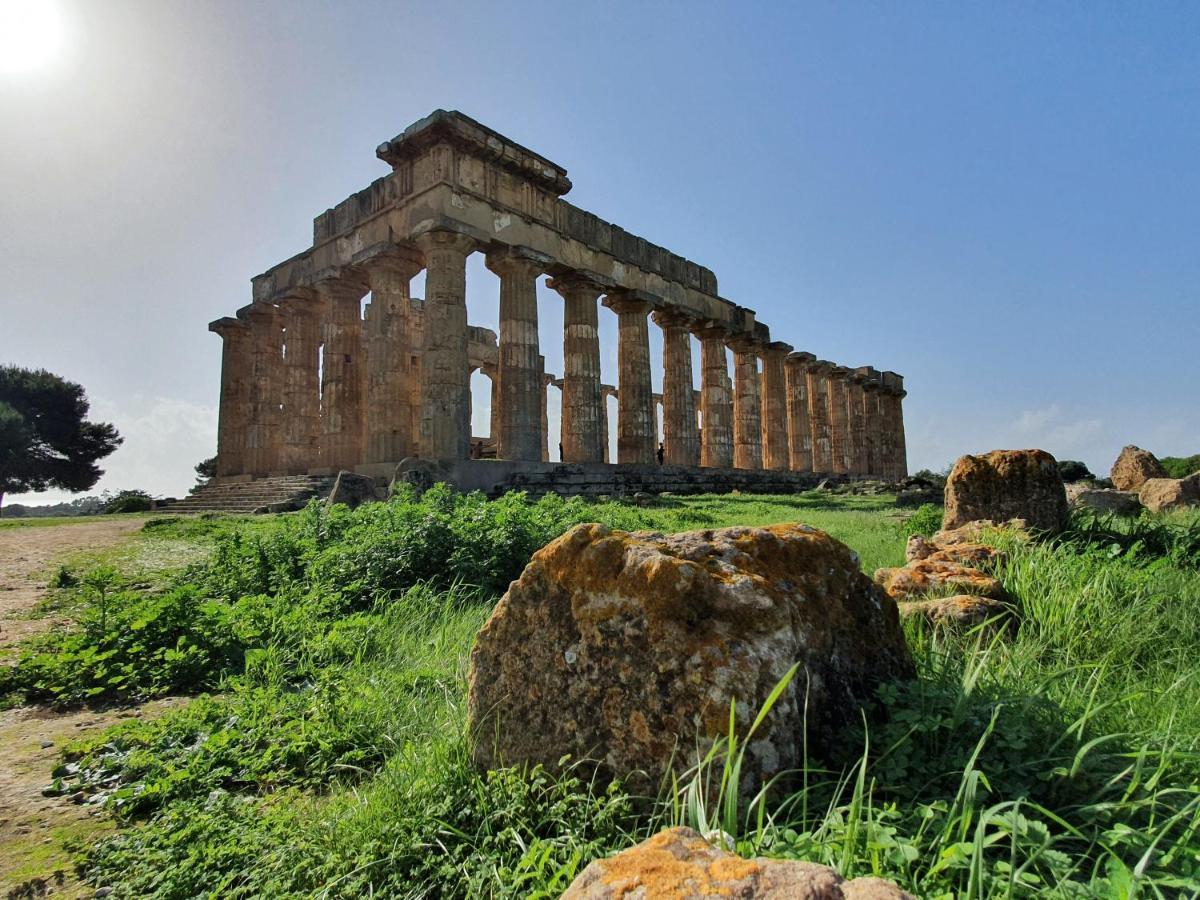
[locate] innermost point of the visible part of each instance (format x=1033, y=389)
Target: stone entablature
x=311, y=384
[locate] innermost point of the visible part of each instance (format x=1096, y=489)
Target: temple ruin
x=312, y=384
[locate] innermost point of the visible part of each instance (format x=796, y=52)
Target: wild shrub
x=925, y=521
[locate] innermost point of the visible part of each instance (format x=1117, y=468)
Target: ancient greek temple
x=313, y=381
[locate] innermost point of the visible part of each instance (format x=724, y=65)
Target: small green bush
x=129, y=502
x=925, y=521
x=1072, y=470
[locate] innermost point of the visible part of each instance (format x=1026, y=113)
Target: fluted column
x=606, y=391
x=681, y=439
x=544, y=419
x=839, y=420
x=818, y=415
x=636, y=440
x=584, y=419
x=236, y=366
x=893, y=394
x=494, y=414
x=390, y=349
x=717, y=402
x=343, y=376
x=799, y=422
x=520, y=375
x=856, y=453
x=776, y=438
x=303, y=313
x=870, y=416
x=747, y=408
x=263, y=437
x=445, y=425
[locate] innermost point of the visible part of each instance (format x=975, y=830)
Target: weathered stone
x=1133, y=467
x=959, y=612
x=628, y=649
x=956, y=551
x=1006, y=484
x=353, y=490
x=925, y=575
x=679, y=864
x=1104, y=500
x=1165, y=494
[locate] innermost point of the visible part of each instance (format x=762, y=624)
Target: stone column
x=799, y=421
x=717, y=404
x=870, y=417
x=681, y=439
x=635, y=411
x=263, y=435
x=544, y=419
x=343, y=379
x=818, y=415
x=390, y=349
x=839, y=423
x=855, y=424
x=494, y=415
x=583, y=411
x=747, y=409
x=445, y=430
x=776, y=439
x=520, y=376
x=303, y=313
x=606, y=391
x=894, y=393
x=234, y=416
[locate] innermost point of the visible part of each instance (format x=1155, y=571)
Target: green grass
x=1064, y=761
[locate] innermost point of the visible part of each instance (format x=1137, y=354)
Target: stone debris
x=678, y=864
x=1134, y=467
x=960, y=612
x=1106, y=500
x=1006, y=484
x=923, y=576
x=1166, y=494
x=629, y=649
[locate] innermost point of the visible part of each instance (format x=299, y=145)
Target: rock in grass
x=1165, y=494
x=678, y=864
x=933, y=574
x=957, y=613
x=628, y=649
x=964, y=552
x=1104, y=500
x=1134, y=467
x=1006, y=484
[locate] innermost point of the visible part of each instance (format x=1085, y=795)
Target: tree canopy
x=45, y=438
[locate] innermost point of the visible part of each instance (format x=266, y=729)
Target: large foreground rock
x=1134, y=467
x=1003, y=485
x=628, y=649
x=678, y=864
x=1165, y=494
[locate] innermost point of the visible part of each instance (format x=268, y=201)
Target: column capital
x=388, y=257
x=855, y=376
x=579, y=281
x=518, y=260
x=744, y=343
x=631, y=301
x=710, y=330
x=342, y=282
x=800, y=358
x=821, y=367
x=777, y=348
x=871, y=384
x=298, y=301
x=841, y=373
x=608, y=390
x=445, y=239
x=229, y=327
x=259, y=312
x=673, y=317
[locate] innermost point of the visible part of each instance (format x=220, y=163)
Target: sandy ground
x=27, y=554
x=34, y=828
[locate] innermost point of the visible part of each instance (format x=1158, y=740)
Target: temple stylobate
x=314, y=382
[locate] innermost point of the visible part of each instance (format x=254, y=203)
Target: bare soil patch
x=27, y=553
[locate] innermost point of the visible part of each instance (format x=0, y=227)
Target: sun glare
x=31, y=34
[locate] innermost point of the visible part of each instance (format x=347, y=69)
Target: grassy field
x=329, y=759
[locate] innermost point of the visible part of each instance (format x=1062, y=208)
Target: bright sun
x=31, y=34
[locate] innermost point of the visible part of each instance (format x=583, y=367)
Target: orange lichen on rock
x=629, y=649
x=931, y=574
x=678, y=864
x=1006, y=484
x=958, y=612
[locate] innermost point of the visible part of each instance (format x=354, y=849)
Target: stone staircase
x=247, y=496
x=571, y=481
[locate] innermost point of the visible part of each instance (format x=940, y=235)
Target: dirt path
x=27, y=552
x=34, y=828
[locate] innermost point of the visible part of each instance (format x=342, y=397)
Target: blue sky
x=1000, y=201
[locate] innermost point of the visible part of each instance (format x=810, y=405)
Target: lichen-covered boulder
x=965, y=552
x=628, y=649
x=1006, y=484
x=678, y=864
x=1165, y=494
x=956, y=613
x=1104, y=500
x=1134, y=467
x=924, y=576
